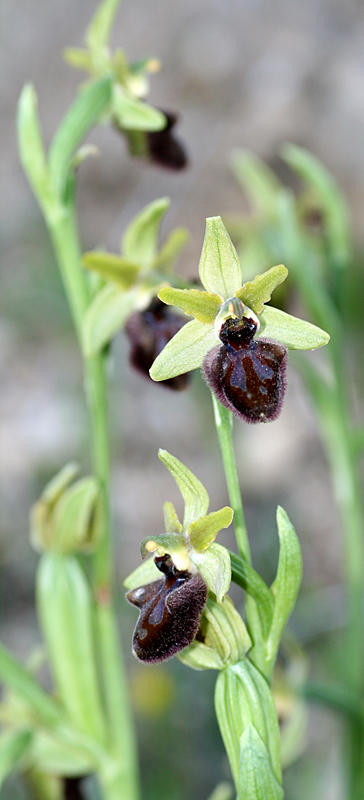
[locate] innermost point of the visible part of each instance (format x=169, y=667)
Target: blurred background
x=250, y=74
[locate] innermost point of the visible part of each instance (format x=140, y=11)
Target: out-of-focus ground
x=253, y=74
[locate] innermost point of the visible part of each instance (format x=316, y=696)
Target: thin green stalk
x=65, y=240
x=224, y=425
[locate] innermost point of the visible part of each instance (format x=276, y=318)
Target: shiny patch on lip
x=247, y=375
x=170, y=611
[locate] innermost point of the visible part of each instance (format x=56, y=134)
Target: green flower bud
x=66, y=518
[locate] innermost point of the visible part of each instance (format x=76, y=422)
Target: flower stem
x=224, y=426
x=65, y=240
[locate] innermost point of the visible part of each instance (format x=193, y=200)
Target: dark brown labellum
x=164, y=149
x=170, y=612
x=148, y=332
x=246, y=374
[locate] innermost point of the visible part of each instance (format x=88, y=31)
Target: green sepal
x=112, y=267
x=69, y=521
x=249, y=580
x=53, y=490
x=31, y=149
x=203, y=531
x=140, y=240
x=98, y=31
x=294, y=333
x=257, y=180
x=170, y=250
x=224, y=631
x=242, y=698
x=79, y=58
x=14, y=747
x=84, y=113
x=257, y=292
x=256, y=777
x=185, y=352
x=106, y=315
x=171, y=521
x=199, y=656
x=174, y=544
x=219, y=267
x=147, y=572
x=193, y=492
x=74, y=523
x=133, y=114
x=214, y=566
x=287, y=582
x=65, y=604
x=204, y=306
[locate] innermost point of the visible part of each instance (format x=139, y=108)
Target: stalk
x=125, y=781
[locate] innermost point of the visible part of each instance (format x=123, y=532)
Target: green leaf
x=171, y=521
x=214, y=566
x=294, y=333
x=147, y=572
x=112, y=267
x=78, y=58
x=219, y=266
x=174, y=544
x=31, y=149
x=169, y=252
x=203, y=531
x=52, y=755
x=257, y=292
x=243, y=698
x=135, y=115
x=249, y=580
x=140, y=240
x=83, y=115
x=15, y=677
x=330, y=199
x=256, y=777
x=14, y=745
x=186, y=351
x=204, y=306
x=98, y=31
x=64, y=603
x=287, y=582
x=193, y=492
x=257, y=180
x=105, y=316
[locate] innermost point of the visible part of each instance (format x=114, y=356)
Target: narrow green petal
x=219, y=266
x=203, y=531
x=107, y=313
x=112, y=267
x=202, y=305
x=257, y=292
x=294, y=333
x=171, y=521
x=186, y=351
x=133, y=114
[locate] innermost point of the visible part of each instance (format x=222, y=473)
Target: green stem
x=65, y=239
x=224, y=426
